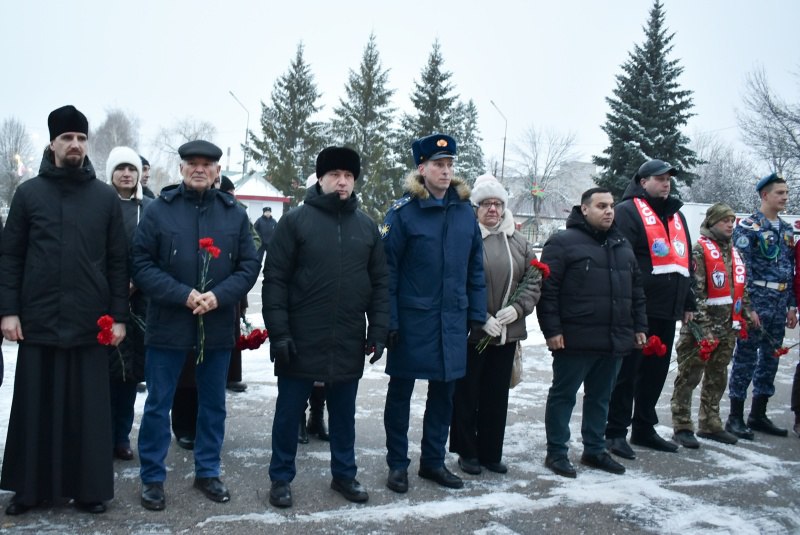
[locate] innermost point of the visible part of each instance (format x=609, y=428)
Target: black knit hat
x=333, y=158
x=67, y=119
x=225, y=184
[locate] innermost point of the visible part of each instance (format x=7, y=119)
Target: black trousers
x=639, y=384
x=480, y=404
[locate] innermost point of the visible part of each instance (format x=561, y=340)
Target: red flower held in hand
x=780, y=352
x=707, y=347
x=105, y=322
x=205, y=243
x=541, y=266
x=654, y=346
x=106, y=334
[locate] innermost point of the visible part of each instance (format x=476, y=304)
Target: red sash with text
x=718, y=287
x=666, y=256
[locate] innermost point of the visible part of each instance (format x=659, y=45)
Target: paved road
x=752, y=487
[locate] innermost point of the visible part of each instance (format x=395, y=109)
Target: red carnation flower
x=205, y=243
x=105, y=322
x=541, y=266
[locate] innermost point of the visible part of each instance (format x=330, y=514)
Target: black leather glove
x=282, y=351
x=474, y=326
x=375, y=349
x=393, y=339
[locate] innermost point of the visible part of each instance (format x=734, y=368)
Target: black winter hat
x=67, y=119
x=333, y=158
x=145, y=163
x=225, y=184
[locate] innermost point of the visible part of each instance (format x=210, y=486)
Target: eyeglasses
x=497, y=205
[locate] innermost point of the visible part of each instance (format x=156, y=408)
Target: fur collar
x=415, y=185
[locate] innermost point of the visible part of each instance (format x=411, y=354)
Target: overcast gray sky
x=545, y=63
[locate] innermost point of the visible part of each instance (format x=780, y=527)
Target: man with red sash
x=651, y=220
x=722, y=306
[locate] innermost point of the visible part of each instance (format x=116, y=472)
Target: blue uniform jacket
x=768, y=253
x=167, y=263
x=436, y=281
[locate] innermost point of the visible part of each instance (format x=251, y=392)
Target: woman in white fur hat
x=480, y=403
x=126, y=366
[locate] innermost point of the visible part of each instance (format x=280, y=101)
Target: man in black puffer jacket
x=325, y=269
x=650, y=218
x=592, y=313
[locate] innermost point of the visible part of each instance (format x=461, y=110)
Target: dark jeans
x=435, y=424
x=639, y=385
x=292, y=397
x=480, y=404
x=162, y=369
x=597, y=373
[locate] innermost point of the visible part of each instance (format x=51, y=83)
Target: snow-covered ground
x=751, y=487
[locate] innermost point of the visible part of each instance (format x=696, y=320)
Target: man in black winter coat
x=265, y=226
x=592, y=313
x=63, y=266
x=325, y=271
x=652, y=222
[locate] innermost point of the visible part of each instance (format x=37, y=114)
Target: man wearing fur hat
x=123, y=167
x=722, y=313
x=185, y=283
x=63, y=266
x=650, y=218
x=437, y=291
x=325, y=272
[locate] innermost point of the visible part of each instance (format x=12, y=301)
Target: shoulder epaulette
x=399, y=203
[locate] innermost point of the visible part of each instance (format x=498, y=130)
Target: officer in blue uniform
x=437, y=289
x=766, y=244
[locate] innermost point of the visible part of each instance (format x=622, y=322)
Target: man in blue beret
x=184, y=284
x=766, y=244
x=437, y=290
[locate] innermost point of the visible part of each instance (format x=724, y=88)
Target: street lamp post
x=505, y=132
x=246, y=135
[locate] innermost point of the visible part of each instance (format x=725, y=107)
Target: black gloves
x=282, y=351
x=375, y=349
x=393, y=339
x=474, y=326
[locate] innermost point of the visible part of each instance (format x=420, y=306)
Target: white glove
x=492, y=327
x=507, y=315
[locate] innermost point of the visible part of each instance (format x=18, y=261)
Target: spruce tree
x=290, y=140
x=464, y=128
x=433, y=101
x=647, y=111
x=362, y=121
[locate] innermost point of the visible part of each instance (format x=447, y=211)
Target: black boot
x=758, y=420
x=302, y=435
x=316, y=418
x=735, y=424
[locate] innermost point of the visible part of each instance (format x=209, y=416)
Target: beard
x=73, y=160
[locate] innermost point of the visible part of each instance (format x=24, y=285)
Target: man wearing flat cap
x=723, y=312
x=766, y=243
x=650, y=219
x=324, y=275
x=64, y=264
x=437, y=291
x=185, y=284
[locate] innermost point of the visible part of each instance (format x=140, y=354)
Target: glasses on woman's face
x=497, y=205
